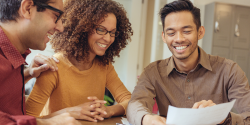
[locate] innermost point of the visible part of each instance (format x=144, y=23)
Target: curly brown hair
x=79, y=20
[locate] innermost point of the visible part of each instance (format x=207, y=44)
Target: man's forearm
x=136, y=111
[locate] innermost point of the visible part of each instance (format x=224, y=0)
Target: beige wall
x=148, y=34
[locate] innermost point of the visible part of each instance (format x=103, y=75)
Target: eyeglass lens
x=103, y=31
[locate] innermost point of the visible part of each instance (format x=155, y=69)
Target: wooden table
x=110, y=121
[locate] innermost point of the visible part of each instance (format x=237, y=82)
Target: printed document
x=203, y=116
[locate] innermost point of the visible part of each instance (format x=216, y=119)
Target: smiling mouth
x=49, y=36
x=180, y=47
x=101, y=45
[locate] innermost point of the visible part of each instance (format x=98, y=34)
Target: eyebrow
x=106, y=28
x=188, y=26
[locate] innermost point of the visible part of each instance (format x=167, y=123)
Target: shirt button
x=188, y=80
x=189, y=97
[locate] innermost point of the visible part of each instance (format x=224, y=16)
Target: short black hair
x=178, y=6
x=9, y=9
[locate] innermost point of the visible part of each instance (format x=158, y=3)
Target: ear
x=163, y=37
x=25, y=8
x=201, y=32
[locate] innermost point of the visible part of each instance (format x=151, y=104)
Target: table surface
x=110, y=121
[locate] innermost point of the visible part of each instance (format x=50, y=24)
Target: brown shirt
x=214, y=78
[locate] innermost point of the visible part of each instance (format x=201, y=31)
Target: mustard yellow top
x=70, y=87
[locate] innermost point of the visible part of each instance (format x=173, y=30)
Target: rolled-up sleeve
x=142, y=100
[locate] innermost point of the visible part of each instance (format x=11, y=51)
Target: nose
x=59, y=26
x=179, y=37
x=107, y=37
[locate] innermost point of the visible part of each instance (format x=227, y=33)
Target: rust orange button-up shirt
x=12, y=100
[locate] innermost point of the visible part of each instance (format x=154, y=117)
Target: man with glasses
x=26, y=24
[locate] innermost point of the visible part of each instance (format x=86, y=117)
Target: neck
x=188, y=64
x=11, y=30
x=83, y=65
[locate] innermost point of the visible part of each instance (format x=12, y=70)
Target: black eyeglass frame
x=43, y=5
x=116, y=32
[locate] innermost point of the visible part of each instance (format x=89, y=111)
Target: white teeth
x=181, y=47
x=101, y=45
x=49, y=36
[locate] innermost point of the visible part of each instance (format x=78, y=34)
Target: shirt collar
x=171, y=65
x=203, y=60
x=11, y=53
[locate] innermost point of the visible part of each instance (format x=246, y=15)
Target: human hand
x=86, y=111
x=153, y=120
x=203, y=104
x=62, y=119
x=42, y=63
x=103, y=111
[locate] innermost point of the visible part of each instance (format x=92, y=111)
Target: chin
x=41, y=48
x=100, y=54
x=181, y=57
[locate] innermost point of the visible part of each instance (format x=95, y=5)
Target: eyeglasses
x=101, y=30
x=43, y=5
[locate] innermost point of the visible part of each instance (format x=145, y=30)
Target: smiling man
x=190, y=78
x=26, y=24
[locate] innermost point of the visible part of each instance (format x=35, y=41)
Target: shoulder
x=63, y=61
x=157, y=65
x=220, y=61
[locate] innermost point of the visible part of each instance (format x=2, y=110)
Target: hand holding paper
x=203, y=116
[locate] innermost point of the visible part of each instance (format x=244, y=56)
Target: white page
x=204, y=116
x=125, y=121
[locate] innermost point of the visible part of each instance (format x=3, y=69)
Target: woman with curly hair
x=95, y=31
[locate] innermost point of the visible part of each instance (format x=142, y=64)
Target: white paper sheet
x=204, y=116
x=125, y=121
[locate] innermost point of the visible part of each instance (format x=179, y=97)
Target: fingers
x=88, y=118
x=96, y=101
x=91, y=111
x=98, y=117
x=163, y=119
x=98, y=104
x=55, y=59
x=203, y=104
x=153, y=120
x=91, y=116
x=93, y=98
x=197, y=104
x=49, y=60
x=211, y=105
x=101, y=111
x=35, y=72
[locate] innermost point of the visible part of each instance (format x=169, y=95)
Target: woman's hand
x=87, y=111
x=107, y=111
x=101, y=109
